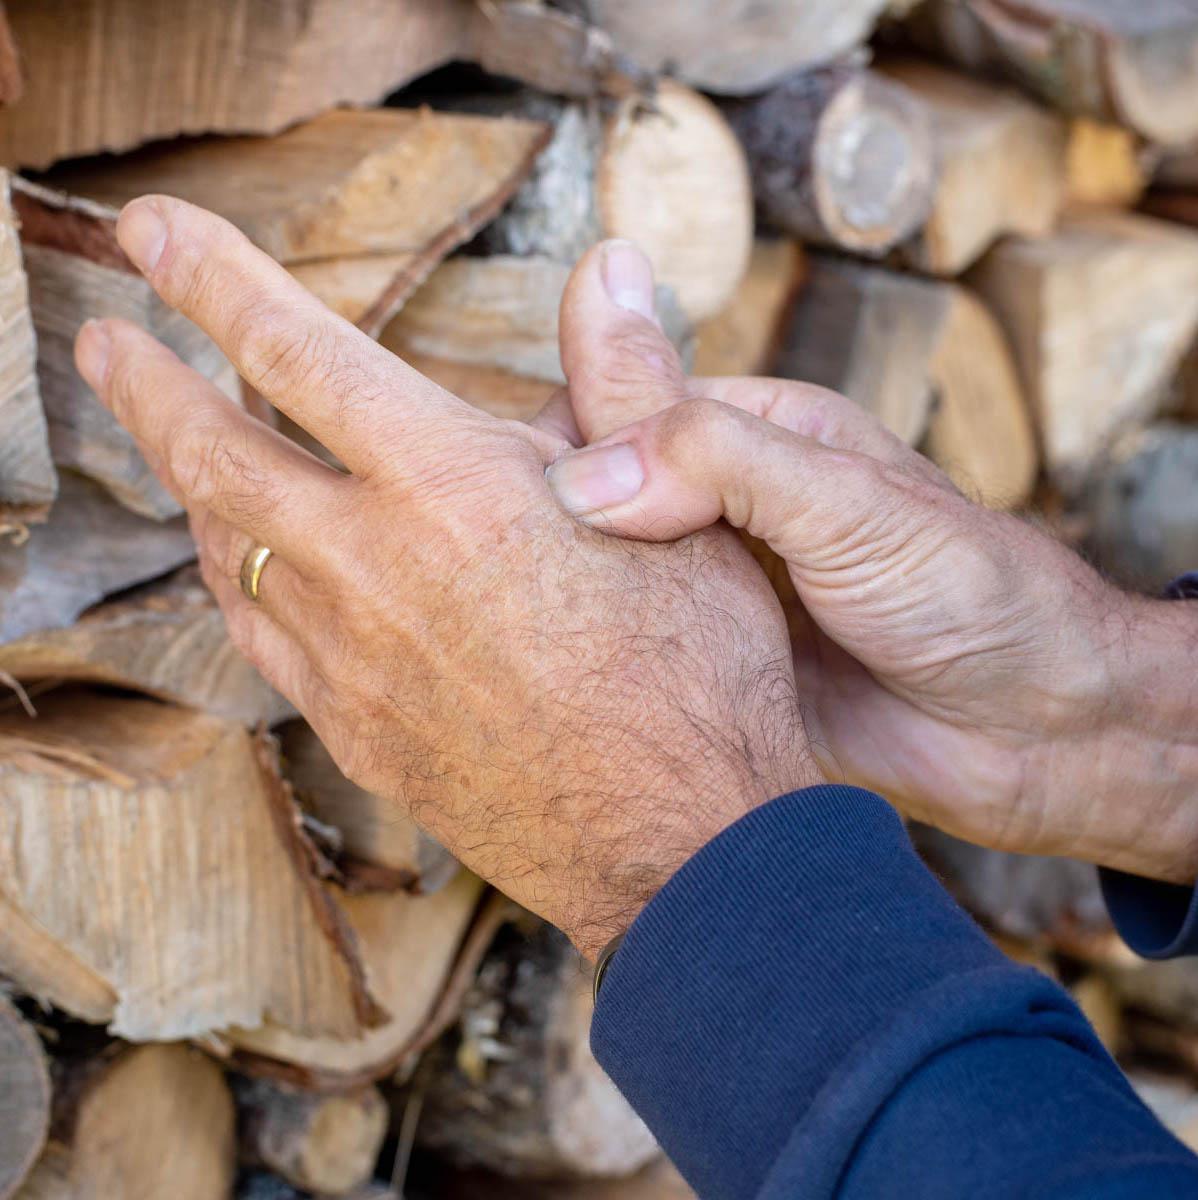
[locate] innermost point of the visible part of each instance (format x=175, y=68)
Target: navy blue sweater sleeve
x=1157, y=920
x=804, y=1012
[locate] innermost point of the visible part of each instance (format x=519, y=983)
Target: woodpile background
x=224, y=969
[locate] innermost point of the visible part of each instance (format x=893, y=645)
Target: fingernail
x=92, y=347
x=628, y=277
x=142, y=234
x=596, y=479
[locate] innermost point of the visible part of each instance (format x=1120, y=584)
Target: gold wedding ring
x=252, y=567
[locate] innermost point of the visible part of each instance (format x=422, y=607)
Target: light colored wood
x=141, y=1121
x=735, y=46
x=349, y=182
x=168, y=640
x=666, y=173
x=1130, y=64
x=743, y=339
x=1141, y=506
x=519, y=1091
x=1000, y=160
x=27, y=479
x=248, y=67
x=408, y=945
x=981, y=430
x=1105, y=166
x=158, y=848
x=24, y=1098
x=839, y=156
x=77, y=271
x=383, y=847
x=1099, y=316
x=499, y=311
x=327, y=1144
x=89, y=548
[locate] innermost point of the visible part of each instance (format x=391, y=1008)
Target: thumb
x=619, y=364
x=683, y=469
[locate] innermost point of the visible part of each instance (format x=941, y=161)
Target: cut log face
x=346, y=183
x=500, y=312
x=1131, y=64
x=521, y=1092
x=255, y=70
x=24, y=1098
x=1099, y=316
x=744, y=338
x=168, y=641
x=1141, y=507
x=735, y=47
x=323, y=1143
x=665, y=173
x=76, y=270
x=89, y=548
x=27, y=479
x=408, y=945
x=159, y=851
x=145, y=1121
x=384, y=848
x=839, y=156
x=1105, y=167
x=1001, y=166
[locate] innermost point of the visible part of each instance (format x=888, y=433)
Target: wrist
x=1133, y=749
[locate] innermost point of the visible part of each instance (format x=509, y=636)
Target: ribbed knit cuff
x=750, y=979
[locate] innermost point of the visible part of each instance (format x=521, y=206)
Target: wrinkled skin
x=572, y=715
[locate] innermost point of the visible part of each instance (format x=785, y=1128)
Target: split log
x=1099, y=315
x=1001, y=165
x=167, y=640
x=666, y=173
x=76, y=270
x=27, y=480
x=24, y=1098
x=379, y=181
x=518, y=1090
x=1130, y=64
x=159, y=882
x=408, y=946
x=323, y=1143
x=89, y=548
x=500, y=311
x=383, y=848
x=261, y=69
x=840, y=156
x=744, y=338
x=1141, y=507
x=139, y=1121
x=735, y=47
x=927, y=359
x=1105, y=166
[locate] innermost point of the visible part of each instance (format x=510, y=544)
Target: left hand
x=571, y=715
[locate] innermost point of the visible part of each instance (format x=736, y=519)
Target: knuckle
x=641, y=354
x=693, y=422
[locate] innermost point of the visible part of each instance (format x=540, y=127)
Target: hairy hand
x=958, y=660
x=571, y=715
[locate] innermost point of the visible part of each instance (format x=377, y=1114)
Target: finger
x=619, y=364
x=557, y=419
x=271, y=649
x=702, y=460
x=821, y=414
x=207, y=451
x=356, y=398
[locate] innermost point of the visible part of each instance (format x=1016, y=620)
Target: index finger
x=356, y=398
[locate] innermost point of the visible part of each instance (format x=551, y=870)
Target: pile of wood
x=224, y=969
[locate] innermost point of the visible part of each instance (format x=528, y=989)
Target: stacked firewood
x=225, y=970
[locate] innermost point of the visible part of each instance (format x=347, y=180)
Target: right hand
x=958, y=660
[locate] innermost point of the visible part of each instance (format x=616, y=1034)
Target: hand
x=956, y=659
x=571, y=715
